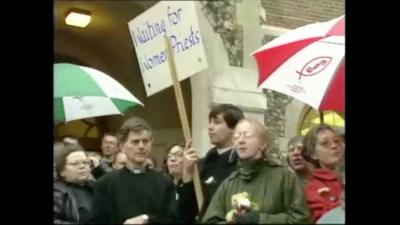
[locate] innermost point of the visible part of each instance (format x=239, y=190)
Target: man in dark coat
x=219, y=162
x=134, y=194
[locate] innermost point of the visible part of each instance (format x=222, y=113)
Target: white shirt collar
x=223, y=150
x=134, y=170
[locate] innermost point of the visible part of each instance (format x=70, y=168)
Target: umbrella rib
x=330, y=83
x=330, y=42
x=265, y=48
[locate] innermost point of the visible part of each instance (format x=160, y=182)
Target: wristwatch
x=145, y=217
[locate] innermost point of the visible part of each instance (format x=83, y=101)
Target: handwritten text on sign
x=176, y=20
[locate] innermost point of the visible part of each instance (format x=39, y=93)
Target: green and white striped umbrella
x=82, y=92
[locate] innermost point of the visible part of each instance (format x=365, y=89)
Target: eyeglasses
x=326, y=143
x=78, y=163
x=176, y=155
x=293, y=147
x=246, y=135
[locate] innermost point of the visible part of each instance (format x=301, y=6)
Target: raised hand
x=190, y=158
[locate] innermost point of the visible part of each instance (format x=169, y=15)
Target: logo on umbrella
x=314, y=66
x=85, y=105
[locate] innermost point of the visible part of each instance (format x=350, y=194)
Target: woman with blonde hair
x=260, y=191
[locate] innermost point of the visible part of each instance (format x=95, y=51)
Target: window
x=313, y=118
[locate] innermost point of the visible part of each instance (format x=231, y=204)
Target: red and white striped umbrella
x=307, y=64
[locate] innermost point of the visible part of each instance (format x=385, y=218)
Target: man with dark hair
x=134, y=194
x=218, y=163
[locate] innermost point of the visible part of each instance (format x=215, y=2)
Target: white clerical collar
x=223, y=150
x=134, y=169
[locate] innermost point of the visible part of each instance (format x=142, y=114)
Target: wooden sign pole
x=184, y=119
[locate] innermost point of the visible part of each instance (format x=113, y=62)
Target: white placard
x=176, y=20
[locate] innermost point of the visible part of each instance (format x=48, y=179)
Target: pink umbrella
x=307, y=64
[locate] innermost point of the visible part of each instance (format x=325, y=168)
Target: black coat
x=213, y=169
x=103, y=168
x=65, y=204
x=123, y=194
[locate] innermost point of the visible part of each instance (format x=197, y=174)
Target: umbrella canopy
x=307, y=64
x=82, y=92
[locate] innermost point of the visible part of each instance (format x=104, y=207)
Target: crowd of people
x=240, y=182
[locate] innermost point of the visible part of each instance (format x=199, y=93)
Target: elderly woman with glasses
x=260, y=191
x=72, y=190
x=324, y=148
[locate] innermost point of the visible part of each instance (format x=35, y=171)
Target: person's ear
x=263, y=146
x=62, y=173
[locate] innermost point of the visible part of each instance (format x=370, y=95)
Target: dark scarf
x=249, y=169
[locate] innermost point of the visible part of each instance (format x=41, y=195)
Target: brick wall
x=294, y=13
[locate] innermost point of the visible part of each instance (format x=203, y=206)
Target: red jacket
x=323, y=192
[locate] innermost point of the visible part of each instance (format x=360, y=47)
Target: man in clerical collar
x=135, y=170
x=134, y=194
x=219, y=161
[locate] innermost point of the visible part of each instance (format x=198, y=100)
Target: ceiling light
x=78, y=18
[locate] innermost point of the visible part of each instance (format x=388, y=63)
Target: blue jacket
x=335, y=216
